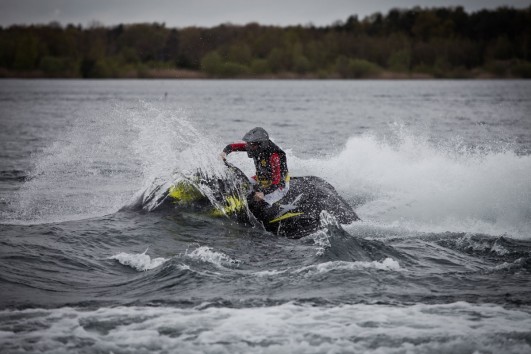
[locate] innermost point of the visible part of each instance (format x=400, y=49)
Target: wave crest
x=138, y=261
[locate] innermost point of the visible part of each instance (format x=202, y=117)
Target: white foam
x=287, y=328
x=208, y=255
x=386, y=264
x=321, y=238
x=270, y=273
x=139, y=261
x=517, y=264
x=410, y=182
x=481, y=245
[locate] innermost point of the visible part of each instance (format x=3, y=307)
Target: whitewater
x=438, y=171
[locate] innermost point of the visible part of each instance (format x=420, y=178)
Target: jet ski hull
x=298, y=213
x=295, y=216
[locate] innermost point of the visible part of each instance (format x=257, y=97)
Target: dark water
x=439, y=171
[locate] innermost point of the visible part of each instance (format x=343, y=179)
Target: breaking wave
x=138, y=261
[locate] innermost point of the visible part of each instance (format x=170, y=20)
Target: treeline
x=437, y=42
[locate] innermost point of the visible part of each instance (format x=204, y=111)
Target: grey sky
x=207, y=13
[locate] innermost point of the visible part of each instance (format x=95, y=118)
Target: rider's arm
x=240, y=146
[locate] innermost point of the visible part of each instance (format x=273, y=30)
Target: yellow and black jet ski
x=294, y=216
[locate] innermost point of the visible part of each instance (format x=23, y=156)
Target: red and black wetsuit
x=270, y=163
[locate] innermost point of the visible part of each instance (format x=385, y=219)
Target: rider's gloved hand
x=258, y=196
x=223, y=156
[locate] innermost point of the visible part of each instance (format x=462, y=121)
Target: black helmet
x=256, y=135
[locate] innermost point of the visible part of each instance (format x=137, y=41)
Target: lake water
x=438, y=171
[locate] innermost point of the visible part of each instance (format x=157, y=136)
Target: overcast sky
x=207, y=13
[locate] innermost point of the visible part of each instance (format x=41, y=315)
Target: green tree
x=500, y=49
x=400, y=60
x=212, y=64
x=239, y=53
x=356, y=68
x=26, y=53
x=260, y=67
x=192, y=48
x=148, y=40
x=276, y=60
x=58, y=67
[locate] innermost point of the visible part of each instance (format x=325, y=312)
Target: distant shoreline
x=178, y=74
x=417, y=43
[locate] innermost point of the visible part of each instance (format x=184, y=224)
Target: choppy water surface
x=439, y=172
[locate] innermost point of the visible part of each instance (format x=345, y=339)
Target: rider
x=272, y=179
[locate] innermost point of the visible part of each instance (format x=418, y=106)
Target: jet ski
x=294, y=216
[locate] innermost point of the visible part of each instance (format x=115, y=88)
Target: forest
x=404, y=43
